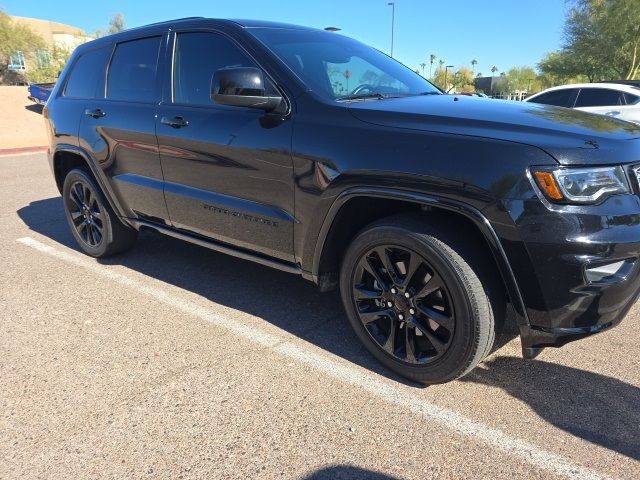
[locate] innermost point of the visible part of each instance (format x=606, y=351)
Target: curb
x=21, y=150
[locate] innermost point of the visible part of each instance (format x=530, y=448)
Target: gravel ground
x=21, y=122
x=173, y=361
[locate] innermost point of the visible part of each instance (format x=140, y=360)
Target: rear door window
x=88, y=73
x=599, y=97
x=558, y=98
x=132, y=73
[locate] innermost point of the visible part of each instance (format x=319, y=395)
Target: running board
x=219, y=247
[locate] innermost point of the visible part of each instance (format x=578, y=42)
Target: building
x=488, y=85
x=56, y=35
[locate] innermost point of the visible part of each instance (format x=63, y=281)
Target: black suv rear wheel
x=96, y=228
x=414, y=298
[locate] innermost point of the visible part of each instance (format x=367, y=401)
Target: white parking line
x=450, y=419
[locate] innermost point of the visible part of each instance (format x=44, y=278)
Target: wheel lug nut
x=406, y=294
x=401, y=317
x=412, y=311
x=394, y=291
x=389, y=304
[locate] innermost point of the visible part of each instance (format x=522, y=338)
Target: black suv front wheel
x=414, y=298
x=96, y=228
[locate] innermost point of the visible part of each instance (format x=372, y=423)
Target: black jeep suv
x=310, y=152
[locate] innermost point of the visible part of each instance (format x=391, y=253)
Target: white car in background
x=614, y=99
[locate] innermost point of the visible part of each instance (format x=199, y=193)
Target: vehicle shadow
x=597, y=408
x=35, y=108
x=347, y=472
x=285, y=300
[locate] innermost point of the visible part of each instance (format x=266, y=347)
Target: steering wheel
x=359, y=89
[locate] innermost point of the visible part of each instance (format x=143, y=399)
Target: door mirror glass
x=243, y=87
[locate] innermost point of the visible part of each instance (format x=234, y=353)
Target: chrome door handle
x=97, y=113
x=175, y=122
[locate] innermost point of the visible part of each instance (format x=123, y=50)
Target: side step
x=220, y=247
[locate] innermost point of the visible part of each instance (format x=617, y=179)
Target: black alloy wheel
x=95, y=226
x=86, y=213
x=404, y=304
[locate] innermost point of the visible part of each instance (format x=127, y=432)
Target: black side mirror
x=242, y=87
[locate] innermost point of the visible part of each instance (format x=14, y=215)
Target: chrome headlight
x=581, y=185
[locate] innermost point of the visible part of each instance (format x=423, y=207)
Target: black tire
x=97, y=229
x=434, y=352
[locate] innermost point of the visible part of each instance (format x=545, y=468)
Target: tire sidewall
x=107, y=229
x=464, y=344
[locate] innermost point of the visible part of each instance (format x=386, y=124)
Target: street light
x=332, y=29
x=393, y=22
x=446, y=72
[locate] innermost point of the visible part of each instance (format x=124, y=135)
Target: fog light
x=604, y=271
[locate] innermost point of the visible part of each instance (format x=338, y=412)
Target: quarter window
x=86, y=72
x=630, y=98
x=132, y=74
x=197, y=56
x=599, y=97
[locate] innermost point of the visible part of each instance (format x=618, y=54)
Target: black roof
x=195, y=22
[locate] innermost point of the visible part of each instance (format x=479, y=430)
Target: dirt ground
x=21, y=122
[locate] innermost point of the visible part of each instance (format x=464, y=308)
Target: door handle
x=97, y=113
x=613, y=113
x=175, y=122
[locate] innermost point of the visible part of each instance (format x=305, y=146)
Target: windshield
x=339, y=68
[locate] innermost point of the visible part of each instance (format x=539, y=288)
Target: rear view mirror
x=242, y=87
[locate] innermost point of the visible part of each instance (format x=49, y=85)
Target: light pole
x=393, y=22
x=446, y=72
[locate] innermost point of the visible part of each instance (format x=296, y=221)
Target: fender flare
x=472, y=213
x=98, y=174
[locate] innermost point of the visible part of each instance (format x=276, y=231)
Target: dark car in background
x=39, y=92
x=434, y=214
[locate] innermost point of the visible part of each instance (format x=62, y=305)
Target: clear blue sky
x=504, y=33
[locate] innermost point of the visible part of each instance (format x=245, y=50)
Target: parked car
x=434, y=214
x=619, y=100
x=40, y=92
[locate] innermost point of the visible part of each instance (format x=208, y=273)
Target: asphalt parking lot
x=173, y=361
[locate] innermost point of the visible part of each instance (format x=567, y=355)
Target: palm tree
x=423, y=65
x=479, y=75
x=347, y=76
x=494, y=69
x=432, y=58
x=474, y=62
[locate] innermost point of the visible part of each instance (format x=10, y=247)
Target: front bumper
x=554, y=253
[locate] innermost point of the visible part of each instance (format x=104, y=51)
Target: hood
x=572, y=137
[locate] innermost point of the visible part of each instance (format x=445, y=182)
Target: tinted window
x=631, y=99
x=559, y=98
x=335, y=66
x=599, y=97
x=197, y=57
x=87, y=73
x=132, y=74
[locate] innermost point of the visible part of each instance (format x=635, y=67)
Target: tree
x=474, y=62
x=117, y=23
x=432, y=58
x=14, y=38
x=423, y=65
x=601, y=42
x=494, y=69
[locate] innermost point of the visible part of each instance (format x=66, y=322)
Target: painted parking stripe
x=495, y=438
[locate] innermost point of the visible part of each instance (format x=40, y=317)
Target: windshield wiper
x=363, y=96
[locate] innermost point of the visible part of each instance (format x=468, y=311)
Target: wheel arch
x=67, y=157
x=342, y=210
